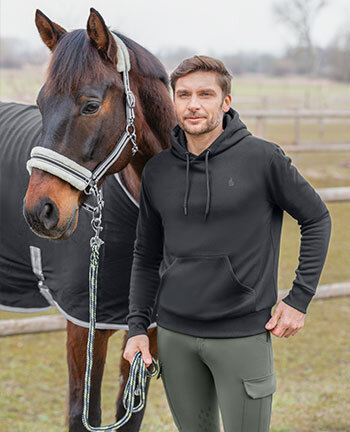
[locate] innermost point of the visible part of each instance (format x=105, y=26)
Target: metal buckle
x=130, y=98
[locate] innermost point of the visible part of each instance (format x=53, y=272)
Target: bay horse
x=82, y=104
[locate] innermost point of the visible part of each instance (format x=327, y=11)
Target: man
x=206, y=257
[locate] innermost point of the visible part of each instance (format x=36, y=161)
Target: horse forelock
x=75, y=61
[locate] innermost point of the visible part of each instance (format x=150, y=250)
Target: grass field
x=312, y=368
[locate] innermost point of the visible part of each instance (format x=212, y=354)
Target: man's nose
x=193, y=104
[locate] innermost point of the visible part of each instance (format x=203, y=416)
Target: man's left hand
x=290, y=321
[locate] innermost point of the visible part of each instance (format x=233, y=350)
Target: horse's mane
x=74, y=58
x=149, y=65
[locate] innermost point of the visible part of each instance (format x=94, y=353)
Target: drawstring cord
x=187, y=153
x=208, y=185
x=187, y=182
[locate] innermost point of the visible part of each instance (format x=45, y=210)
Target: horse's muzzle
x=44, y=219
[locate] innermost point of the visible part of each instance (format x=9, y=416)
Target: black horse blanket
x=37, y=273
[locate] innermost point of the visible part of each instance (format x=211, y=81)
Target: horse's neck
x=158, y=120
x=130, y=176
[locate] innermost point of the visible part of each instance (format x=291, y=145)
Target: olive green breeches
x=204, y=375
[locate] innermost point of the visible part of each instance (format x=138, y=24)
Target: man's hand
x=136, y=344
x=290, y=321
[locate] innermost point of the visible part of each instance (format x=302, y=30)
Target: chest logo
x=231, y=182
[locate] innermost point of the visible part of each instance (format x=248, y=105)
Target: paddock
x=312, y=368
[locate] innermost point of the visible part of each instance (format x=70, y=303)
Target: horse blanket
x=38, y=273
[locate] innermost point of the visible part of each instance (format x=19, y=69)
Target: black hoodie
x=208, y=236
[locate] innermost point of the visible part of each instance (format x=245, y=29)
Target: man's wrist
x=298, y=299
x=136, y=329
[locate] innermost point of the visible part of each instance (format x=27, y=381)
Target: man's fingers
x=138, y=343
x=129, y=355
x=288, y=332
x=146, y=355
x=278, y=330
x=285, y=330
x=273, y=320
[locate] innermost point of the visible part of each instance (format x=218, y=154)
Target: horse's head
x=84, y=114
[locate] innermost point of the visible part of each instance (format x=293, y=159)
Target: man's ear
x=226, y=105
x=101, y=37
x=49, y=31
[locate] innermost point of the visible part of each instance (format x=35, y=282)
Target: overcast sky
x=208, y=26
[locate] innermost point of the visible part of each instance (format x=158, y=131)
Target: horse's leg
x=134, y=424
x=76, y=357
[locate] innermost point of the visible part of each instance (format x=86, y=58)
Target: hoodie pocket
x=204, y=288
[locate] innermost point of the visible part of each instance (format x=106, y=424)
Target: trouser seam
x=172, y=405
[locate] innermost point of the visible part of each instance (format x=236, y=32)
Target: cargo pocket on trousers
x=258, y=403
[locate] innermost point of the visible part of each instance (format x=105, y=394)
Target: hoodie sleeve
x=291, y=192
x=147, y=255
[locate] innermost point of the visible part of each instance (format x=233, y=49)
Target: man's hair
x=204, y=64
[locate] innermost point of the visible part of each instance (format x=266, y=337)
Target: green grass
x=254, y=92
x=313, y=367
x=283, y=131
x=312, y=370
x=21, y=85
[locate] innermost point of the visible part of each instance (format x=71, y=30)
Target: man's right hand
x=135, y=344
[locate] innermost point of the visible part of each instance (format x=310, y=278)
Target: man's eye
x=90, y=108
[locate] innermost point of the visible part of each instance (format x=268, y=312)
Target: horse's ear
x=49, y=31
x=100, y=36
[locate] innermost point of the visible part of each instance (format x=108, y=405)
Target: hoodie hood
x=234, y=131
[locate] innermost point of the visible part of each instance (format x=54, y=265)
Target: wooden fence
x=51, y=323
x=261, y=118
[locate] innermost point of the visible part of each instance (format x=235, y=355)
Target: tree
x=299, y=16
x=338, y=56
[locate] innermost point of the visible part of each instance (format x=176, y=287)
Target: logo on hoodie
x=231, y=182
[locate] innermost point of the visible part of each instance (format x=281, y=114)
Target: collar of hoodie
x=234, y=130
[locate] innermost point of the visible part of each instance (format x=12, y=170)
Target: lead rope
x=136, y=384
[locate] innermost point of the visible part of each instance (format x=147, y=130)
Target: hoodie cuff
x=298, y=299
x=137, y=328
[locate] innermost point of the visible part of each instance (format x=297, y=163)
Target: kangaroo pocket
x=204, y=288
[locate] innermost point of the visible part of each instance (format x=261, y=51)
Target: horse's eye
x=90, y=108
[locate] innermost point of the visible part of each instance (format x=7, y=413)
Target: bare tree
x=338, y=56
x=299, y=16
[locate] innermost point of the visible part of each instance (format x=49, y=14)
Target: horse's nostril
x=49, y=215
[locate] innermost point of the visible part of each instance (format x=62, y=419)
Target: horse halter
x=70, y=171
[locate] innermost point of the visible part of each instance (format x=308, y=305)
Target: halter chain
x=136, y=384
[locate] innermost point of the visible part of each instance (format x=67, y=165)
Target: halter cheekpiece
x=70, y=171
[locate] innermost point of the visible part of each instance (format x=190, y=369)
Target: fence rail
x=306, y=101
x=297, y=115
x=310, y=147
x=52, y=323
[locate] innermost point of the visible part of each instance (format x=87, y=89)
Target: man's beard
x=207, y=127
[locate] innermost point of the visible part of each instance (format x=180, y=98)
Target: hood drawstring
x=187, y=183
x=208, y=185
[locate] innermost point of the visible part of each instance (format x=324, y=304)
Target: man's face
x=199, y=102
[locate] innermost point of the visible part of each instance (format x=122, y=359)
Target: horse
x=80, y=114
